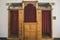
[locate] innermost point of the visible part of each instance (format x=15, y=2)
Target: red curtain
x=46, y=22
x=14, y=22
x=30, y=13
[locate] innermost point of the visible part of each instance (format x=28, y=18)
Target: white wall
x=4, y=17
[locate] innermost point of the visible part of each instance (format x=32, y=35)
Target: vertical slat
x=21, y=24
x=9, y=24
x=39, y=24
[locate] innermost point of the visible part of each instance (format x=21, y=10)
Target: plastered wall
x=4, y=17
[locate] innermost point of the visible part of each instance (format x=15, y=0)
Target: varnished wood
x=33, y=29
x=39, y=23
x=8, y=23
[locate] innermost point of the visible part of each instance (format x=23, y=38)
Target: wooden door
x=30, y=32
x=14, y=23
x=46, y=23
x=30, y=22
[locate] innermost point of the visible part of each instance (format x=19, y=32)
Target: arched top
x=30, y=13
x=30, y=5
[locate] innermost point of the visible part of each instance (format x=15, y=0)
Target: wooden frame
x=9, y=35
x=38, y=24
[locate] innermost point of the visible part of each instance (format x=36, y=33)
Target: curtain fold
x=14, y=22
x=29, y=13
x=46, y=22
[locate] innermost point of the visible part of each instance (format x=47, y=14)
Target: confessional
x=29, y=20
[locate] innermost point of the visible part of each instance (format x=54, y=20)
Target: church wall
x=4, y=17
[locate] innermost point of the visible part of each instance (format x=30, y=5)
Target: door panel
x=30, y=31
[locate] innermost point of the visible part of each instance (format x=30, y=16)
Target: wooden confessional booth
x=29, y=20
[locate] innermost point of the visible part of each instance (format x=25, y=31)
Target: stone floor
x=56, y=38
x=6, y=39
